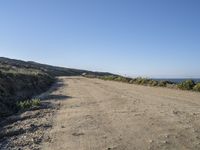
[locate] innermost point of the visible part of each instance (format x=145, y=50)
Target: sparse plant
x=27, y=104
x=36, y=102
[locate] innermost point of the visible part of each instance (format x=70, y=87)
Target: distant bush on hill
x=153, y=83
x=197, y=87
x=140, y=81
x=186, y=85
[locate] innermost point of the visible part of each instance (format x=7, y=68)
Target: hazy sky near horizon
x=150, y=38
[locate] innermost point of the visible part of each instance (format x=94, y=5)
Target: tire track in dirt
x=105, y=115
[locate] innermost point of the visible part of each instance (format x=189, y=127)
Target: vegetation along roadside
x=184, y=85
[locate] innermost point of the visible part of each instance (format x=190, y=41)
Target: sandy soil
x=105, y=115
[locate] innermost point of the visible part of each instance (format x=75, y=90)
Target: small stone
x=105, y=137
x=150, y=141
x=77, y=134
x=193, y=130
x=165, y=142
x=175, y=112
x=166, y=136
x=32, y=125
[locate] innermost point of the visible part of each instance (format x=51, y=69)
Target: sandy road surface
x=106, y=115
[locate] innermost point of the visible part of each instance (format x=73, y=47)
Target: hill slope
x=51, y=70
x=20, y=80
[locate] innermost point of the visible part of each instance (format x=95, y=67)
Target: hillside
x=17, y=65
x=20, y=80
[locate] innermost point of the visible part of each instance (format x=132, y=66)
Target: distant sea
x=178, y=80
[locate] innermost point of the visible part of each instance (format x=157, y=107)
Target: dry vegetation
x=19, y=85
x=185, y=85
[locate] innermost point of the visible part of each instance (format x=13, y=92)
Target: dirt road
x=106, y=115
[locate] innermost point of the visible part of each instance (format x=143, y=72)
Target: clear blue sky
x=151, y=38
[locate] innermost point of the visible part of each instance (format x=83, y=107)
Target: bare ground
x=105, y=115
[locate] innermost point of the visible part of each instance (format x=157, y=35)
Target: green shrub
x=131, y=81
x=166, y=83
x=108, y=77
x=197, y=87
x=153, y=83
x=186, y=85
x=162, y=83
x=145, y=81
x=36, y=102
x=142, y=81
x=23, y=105
x=120, y=79
x=138, y=80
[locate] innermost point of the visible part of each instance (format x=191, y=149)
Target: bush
x=132, y=81
x=186, y=85
x=108, y=77
x=138, y=80
x=197, y=87
x=23, y=105
x=116, y=78
x=121, y=79
x=153, y=83
x=162, y=83
x=143, y=81
x=36, y=102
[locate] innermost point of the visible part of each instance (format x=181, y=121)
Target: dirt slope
x=106, y=115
